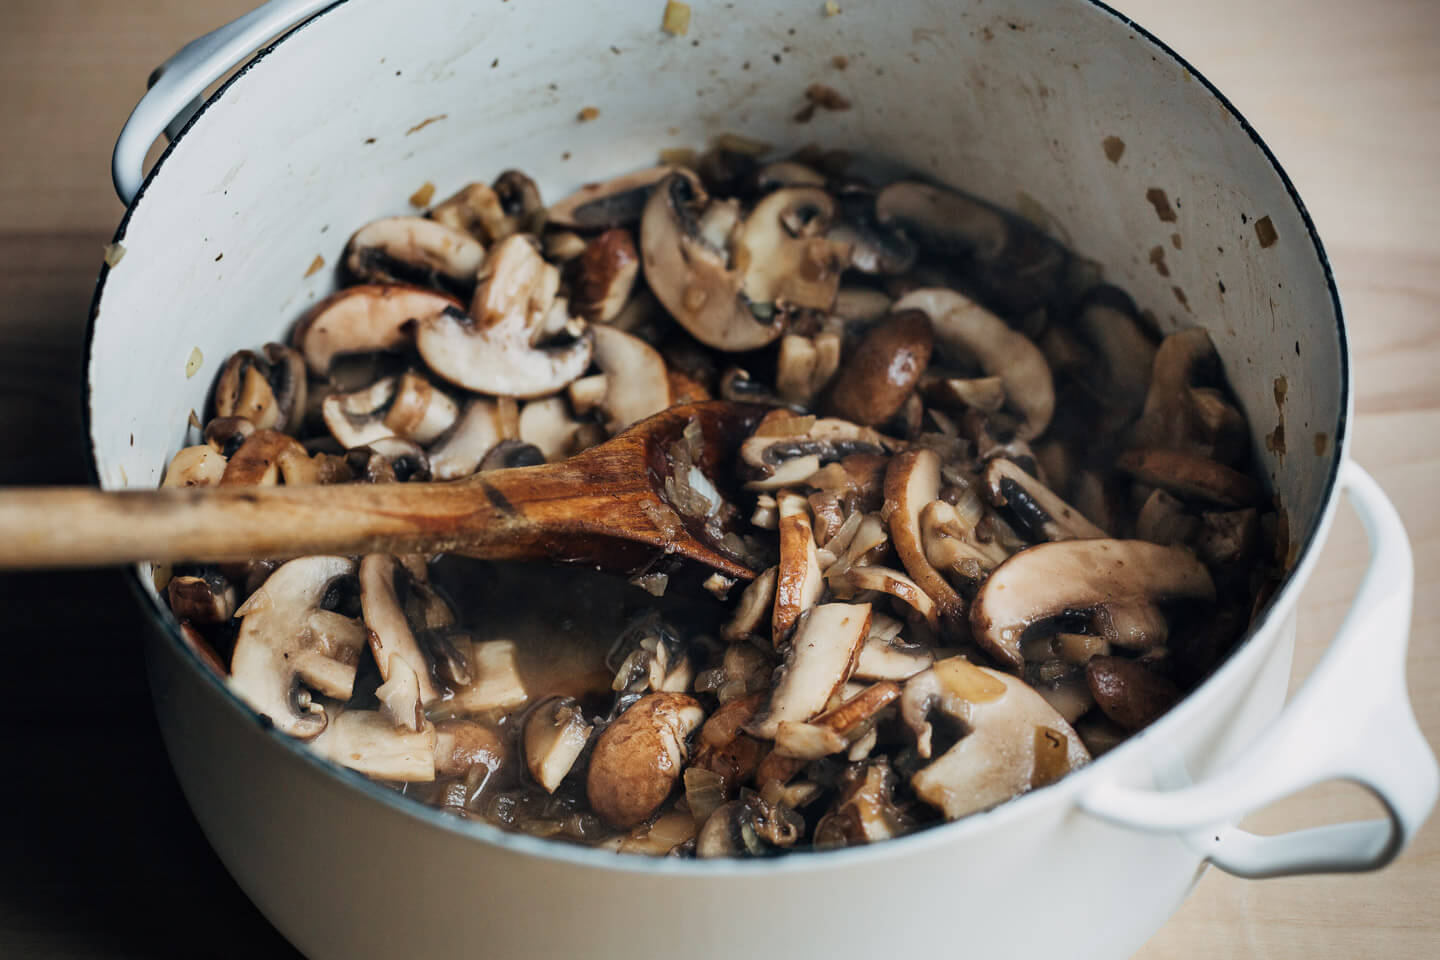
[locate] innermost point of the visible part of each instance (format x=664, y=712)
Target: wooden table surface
x=102, y=858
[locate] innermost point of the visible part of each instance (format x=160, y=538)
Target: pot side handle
x=176, y=85
x=1373, y=740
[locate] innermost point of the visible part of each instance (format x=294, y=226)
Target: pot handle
x=1373, y=741
x=175, y=86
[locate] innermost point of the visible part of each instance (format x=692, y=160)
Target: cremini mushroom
x=197, y=466
x=786, y=256
x=1130, y=694
x=555, y=734
x=819, y=660
x=1012, y=740
x=368, y=318
x=492, y=213
x=954, y=543
x=495, y=682
x=685, y=252
x=805, y=366
x=604, y=275
x=495, y=350
x=458, y=452
x=834, y=730
x=366, y=740
x=355, y=419
x=966, y=331
x=861, y=306
x=886, y=656
x=757, y=601
x=636, y=383
x=1190, y=477
x=747, y=827
x=1115, y=583
x=785, y=449
x=415, y=250
x=461, y=746
x=798, y=582
x=1108, y=320
x=267, y=390
x=290, y=644
x=724, y=748
x=613, y=203
x=202, y=597
x=857, y=580
x=638, y=758
x=548, y=425
x=266, y=457
x=1032, y=507
x=912, y=482
x=881, y=373
x=225, y=435
x=390, y=634
x=865, y=811
x=418, y=410
x=1180, y=414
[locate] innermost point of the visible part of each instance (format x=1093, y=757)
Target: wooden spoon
x=606, y=507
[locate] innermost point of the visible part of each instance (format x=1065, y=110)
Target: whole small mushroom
x=639, y=757
x=881, y=373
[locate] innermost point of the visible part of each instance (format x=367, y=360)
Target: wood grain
x=103, y=859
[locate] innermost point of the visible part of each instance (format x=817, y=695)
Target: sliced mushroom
x=986, y=394
x=427, y=253
x=964, y=330
x=785, y=450
x=748, y=827
x=459, y=451
x=638, y=758
x=881, y=373
x=604, y=276
x=869, y=544
x=756, y=602
x=1108, y=319
x=1013, y=741
x=244, y=390
x=548, y=425
x=820, y=659
x=784, y=252
x=225, y=435
x=1032, y=507
x=684, y=249
x=911, y=483
x=366, y=740
x=954, y=544
x=805, y=366
x=1190, y=477
x=388, y=460
x=196, y=643
x=355, y=419
x=206, y=597
x=391, y=637
x=858, y=579
x=1101, y=578
x=1163, y=519
x=463, y=745
x=614, y=203
x=846, y=723
x=798, y=583
x=636, y=383
x=418, y=411
x=495, y=680
x=511, y=453
x=865, y=811
x=399, y=696
x=364, y=319
x=496, y=352
x=1227, y=540
x=289, y=641
x=266, y=457
x=861, y=305
x=555, y=735
x=885, y=656
x=724, y=748
x=197, y=466
x=872, y=248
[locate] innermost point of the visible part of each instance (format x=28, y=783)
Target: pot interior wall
x=1055, y=108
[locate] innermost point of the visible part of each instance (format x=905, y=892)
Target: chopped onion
x=704, y=791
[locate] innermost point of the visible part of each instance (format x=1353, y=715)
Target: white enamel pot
x=1017, y=100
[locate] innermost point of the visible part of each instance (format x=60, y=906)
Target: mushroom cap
x=287, y=639
x=638, y=758
x=691, y=276
x=882, y=371
x=604, y=275
x=1072, y=576
x=1014, y=740
x=964, y=329
x=494, y=349
x=366, y=318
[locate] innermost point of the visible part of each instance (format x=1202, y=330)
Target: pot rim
x=1243, y=658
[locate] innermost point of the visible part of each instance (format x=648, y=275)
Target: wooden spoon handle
x=81, y=526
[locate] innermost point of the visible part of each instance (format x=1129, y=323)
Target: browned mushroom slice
x=986, y=394
x=604, y=276
x=206, y=597
x=289, y=641
x=872, y=248
x=953, y=541
x=881, y=373
x=196, y=643
x=357, y=418
x=463, y=745
x=966, y=331
x=785, y=449
x=496, y=351
x=820, y=659
x=1103, y=578
x=722, y=746
x=805, y=365
x=843, y=725
x=226, y=434
x=756, y=603
x=459, y=451
x=388, y=460
x=548, y=425
x=1227, y=539
x=492, y=213
x=1190, y=477
x=1163, y=519
x=391, y=637
x=798, y=583
x=784, y=252
x=684, y=243
x=364, y=319
x=613, y=203
x=1108, y=320
x=495, y=684
x=911, y=483
x=366, y=741
x=886, y=656
x=865, y=811
x=1033, y=507
x=1013, y=741
x=555, y=735
x=266, y=457
x=197, y=466
x=414, y=250
x=399, y=696
x=636, y=383
x=419, y=411
x=748, y=827
x=1129, y=693
x=859, y=579
x=639, y=757
x=244, y=390
x=1178, y=415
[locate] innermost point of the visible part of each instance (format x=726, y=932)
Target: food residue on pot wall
x=1322, y=443
x=1114, y=148
x=425, y=123
x=1157, y=257
x=1275, y=439
x=1265, y=231
x=818, y=96
x=1161, y=203
x=423, y=196
x=315, y=266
